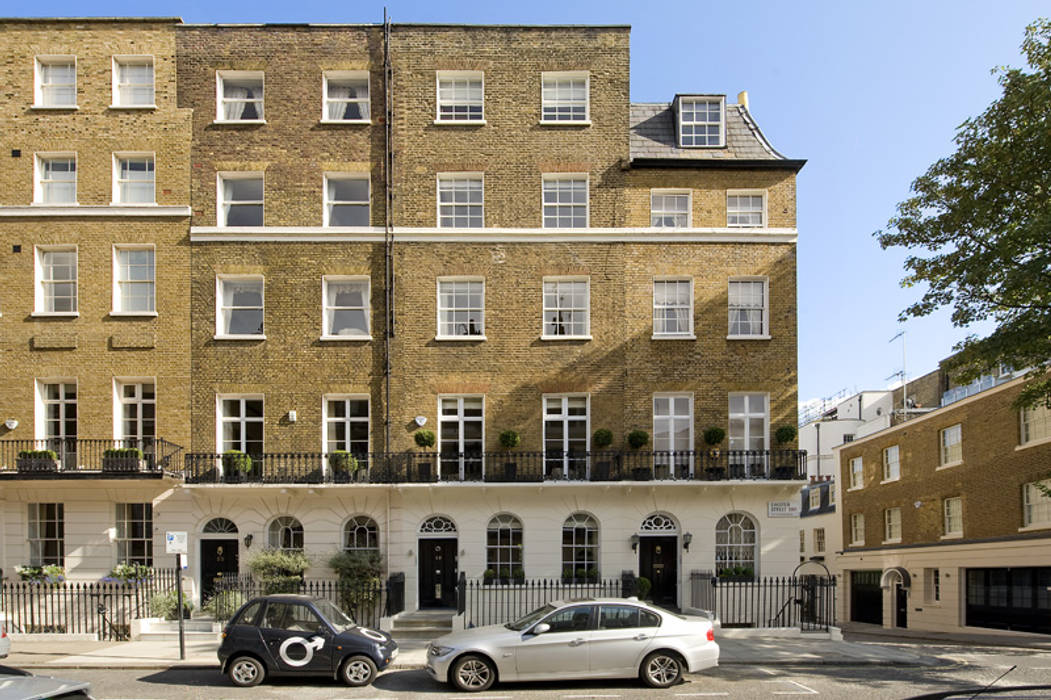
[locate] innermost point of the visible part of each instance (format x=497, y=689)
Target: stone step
x=174, y=637
x=172, y=626
x=420, y=634
x=409, y=623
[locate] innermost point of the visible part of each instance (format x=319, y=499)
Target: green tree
x=979, y=222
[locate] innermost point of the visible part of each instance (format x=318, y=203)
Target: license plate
x=394, y=655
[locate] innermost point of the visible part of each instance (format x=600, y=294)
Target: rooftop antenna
x=904, y=376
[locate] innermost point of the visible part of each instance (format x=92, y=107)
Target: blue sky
x=870, y=93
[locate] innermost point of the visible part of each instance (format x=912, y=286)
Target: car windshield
x=521, y=623
x=336, y=617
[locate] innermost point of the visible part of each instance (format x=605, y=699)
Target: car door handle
x=577, y=642
x=640, y=637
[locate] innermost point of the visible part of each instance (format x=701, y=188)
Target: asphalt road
x=962, y=667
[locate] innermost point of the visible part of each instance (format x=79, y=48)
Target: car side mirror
x=541, y=628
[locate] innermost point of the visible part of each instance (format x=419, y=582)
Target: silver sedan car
x=605, y=638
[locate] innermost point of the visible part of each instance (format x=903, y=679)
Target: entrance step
x=423, y=625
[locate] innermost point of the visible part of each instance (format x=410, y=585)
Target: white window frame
x=585, y=551
x=346, y=75
x=328, y=420
x=672, y=418
x=501, y=557
x=118, y=297
x=814, y=498
x=565, y=419
x=544, y=335
x=746, y=193
x=277, y=528
x=950, y=454
x=451, y=179
x=891, y=468
x=746, y=416
x=36, y=515
x=39, y=187
x=819, y=540
x=220, y=199
x=117, y=198
x=951, y=529
x=765, y=334
x=832, y=493
x=545, y=178
x=1036, y=507
x=663, y=213
x=38, y=86
x=441, y=99
x=1035, y=425
x=687, y=334
x=857, y=529
x=892, y=525
x=328, y=203
x=357, y=526
x=326, y=329
x=120, y=401
x=556, y=103
x=221, y=419
x=40, y=415
x=221, y=76
x=857, y=473
x=461, y=420
x=721, y=100
x=220, y=324
x=132, y=60
x=41, y=285
x=123, y=514
x=439, y=334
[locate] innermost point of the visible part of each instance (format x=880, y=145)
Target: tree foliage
x=979, y=223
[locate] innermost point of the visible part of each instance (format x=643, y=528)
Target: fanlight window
x=219, y=526
x=286, y=533
x=361, y=534
x=735, y=545
x=658, y=522
x=438, y=525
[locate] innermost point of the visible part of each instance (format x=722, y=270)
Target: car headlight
x=436, y=650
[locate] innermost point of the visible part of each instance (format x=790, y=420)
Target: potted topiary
x=236, y=466
x=567, y=575
x=785, y=465
x=601, y=441
x=636, y=440
x=122, y=459
x=518, y=574
x=424, y=439
x=643, y=585
x=36, y=461
x=341, y=464
x=510, y=439
x=713, y=436
x=592, y=575
x=487, y=576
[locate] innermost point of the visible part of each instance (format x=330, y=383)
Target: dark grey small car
x=287, y=635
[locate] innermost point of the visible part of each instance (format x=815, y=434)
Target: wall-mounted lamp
x=687, y=538
x=634, y=543
x=248, y=541
x=291, y=416
x=420, y=420
x=917, y=504
x=10, y=423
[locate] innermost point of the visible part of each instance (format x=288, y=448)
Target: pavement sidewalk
x=40, y=655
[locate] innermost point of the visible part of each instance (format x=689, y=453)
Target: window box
x=37, y=461
x=239, y=467
x=642, y=473
x=119, y=459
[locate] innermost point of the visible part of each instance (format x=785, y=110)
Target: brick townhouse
x=944, y=525
x=363, y=232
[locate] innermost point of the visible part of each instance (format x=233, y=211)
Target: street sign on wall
x=783, y=509
x=175, y=543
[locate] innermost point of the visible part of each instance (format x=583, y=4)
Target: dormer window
x=702, y=121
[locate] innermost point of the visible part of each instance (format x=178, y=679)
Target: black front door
x=866, y=597
x=659, y=562
x=901, y=606
x=218, y=561
x=438, y=573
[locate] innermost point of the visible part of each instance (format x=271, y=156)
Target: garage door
x=866, y=597
x=1010, y=599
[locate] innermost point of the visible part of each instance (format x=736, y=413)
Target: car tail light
x=711, y=635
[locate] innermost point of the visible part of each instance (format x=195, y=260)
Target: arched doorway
x=437, y=562
x=897, y=579
x=659, y=558
x=219, y=554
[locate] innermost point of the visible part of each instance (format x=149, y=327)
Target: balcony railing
x=496, y=467
x=75, y=456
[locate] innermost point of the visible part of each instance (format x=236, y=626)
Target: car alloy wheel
x=358, y=671
x=661, y=669
x=245, y=671
x=473, y=673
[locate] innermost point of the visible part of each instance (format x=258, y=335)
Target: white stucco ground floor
x=1000, y=585
x=430, y=533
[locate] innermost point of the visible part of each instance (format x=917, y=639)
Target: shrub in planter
x=342, y=464
x=37, y=460
x=713, y=436
x=224, y=604
x=592, y=575
x=638, y=438
x=488, y=575
x=360, y=576
x=518, y=574
x=509, y=440
x=278, y=570
x=424, y=438
x=128, y=574
x=643, y=586
x=236, y=464
x=602, y=438
x=121, y=459
x=50, y=574
x=166, y=605
x=567, y=575
x=786, y=433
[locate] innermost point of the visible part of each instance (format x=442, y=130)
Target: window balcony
x=513, y=466
x=62, y=458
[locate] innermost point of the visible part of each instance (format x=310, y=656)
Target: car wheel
x=473, y=673
x=358, y=671
x=245, y=671
x=661, y=669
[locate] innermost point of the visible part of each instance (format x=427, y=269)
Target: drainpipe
x=388, y=228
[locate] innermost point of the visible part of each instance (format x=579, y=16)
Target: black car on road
x=298, y=635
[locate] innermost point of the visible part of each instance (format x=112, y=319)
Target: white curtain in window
x=338, y=107
x=234, y=106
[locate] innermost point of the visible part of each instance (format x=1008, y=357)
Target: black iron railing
x=70, y=455
x=495, y=601
x=806, y=602
x=496, y=467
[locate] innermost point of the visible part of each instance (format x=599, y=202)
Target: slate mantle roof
x=652, y=138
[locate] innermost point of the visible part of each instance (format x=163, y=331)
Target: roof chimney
x=742, y=98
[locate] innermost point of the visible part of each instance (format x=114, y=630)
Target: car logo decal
x=316, y=643
x=371, y=634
